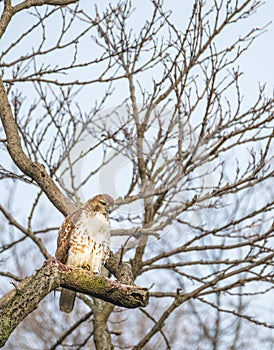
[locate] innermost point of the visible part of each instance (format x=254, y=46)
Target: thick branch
x=113, y=291
x=30, y=3
x=10, y=11
x=33, y=169
x=5, y=17
x=33, y=289
x=121, y=270
x=102, y=335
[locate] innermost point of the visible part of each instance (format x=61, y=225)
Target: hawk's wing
x=63, y=242
x=67, y=296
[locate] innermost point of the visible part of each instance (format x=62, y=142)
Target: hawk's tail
x=67, y=299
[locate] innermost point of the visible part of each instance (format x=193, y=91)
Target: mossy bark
x=33, y=289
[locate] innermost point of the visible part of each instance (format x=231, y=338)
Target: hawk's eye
x=103, y=203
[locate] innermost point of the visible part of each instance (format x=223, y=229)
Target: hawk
x=83, y=241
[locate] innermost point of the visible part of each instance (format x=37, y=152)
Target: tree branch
x=5, y=17
x=121, y=270
x=10, y=11
x=33, y=169
x=102, y=335
x=52, y=275
x=30, y=3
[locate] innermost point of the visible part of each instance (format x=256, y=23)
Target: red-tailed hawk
x=83, y=241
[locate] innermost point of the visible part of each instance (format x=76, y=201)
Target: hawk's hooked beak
x=109, y=209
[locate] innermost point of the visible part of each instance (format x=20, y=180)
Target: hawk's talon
x=86, y=266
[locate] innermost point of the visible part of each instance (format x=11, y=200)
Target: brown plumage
x=83, y=241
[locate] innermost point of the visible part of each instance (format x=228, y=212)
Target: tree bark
x=25, y=298
x=35, y=170
x=102, y=336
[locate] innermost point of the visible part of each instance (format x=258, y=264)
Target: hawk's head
x=102, y=203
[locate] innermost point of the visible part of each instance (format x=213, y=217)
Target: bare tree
x=188, y=159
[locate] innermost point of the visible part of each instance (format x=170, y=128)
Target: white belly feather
x=89, y=242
